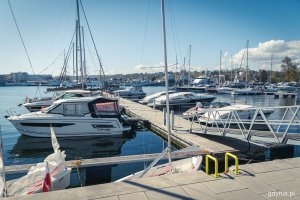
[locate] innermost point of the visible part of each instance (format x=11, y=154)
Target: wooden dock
x=181, y=135
x=278, y=179
x=85, y=163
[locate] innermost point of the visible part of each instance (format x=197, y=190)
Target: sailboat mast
x=271, y=68
x=80, y=47
x=76, y=52
x=65, y=63
x=73, y=64
x=166, y=80
x=231, y=68
x=190, y=51
x=220, y=68
x=247, y=64
x=84, y=61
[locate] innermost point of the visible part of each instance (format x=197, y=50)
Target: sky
x=128, y=34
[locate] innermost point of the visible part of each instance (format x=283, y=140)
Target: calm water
x=19, y=149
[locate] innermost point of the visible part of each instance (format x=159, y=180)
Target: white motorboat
x=184, y=98
x=248, y=91
x=215, y=116
x=229, y=87
x=225, y=90
x=270, y=89
x=200, y=109
x=86, y=116
x=34, y=105
x=150, y=99
x=134, y=92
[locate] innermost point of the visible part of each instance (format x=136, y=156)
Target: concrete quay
x=278, y=179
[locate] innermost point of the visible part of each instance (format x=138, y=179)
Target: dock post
x=165, y=115
x=154, y=104
x=172, y=120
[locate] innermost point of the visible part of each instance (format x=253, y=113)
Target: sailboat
x=77, y=48
x=248, y=90
x=179, y=166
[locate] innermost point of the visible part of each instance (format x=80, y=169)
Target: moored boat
x=150, y=99
x=86, y=116
x=184, y=98
x=134, y=92
x=34, y=105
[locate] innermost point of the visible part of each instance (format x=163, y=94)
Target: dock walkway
x=180, y=134
x=278, y=179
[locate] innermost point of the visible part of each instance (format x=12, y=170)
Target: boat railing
x=13, y=112
x=278, y=124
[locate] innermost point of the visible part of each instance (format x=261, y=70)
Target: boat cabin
x=86, y=106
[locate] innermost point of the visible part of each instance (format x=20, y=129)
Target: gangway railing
x=278, y=123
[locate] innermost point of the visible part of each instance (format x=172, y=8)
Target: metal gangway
x=264, y=125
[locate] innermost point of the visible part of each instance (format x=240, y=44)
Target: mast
x=190, y=51
x=65, y=63
x=220, y=68
x=231, y=68
x=73, y=63
x=80, y=45
x=183, y=72
x=166, y=80
x=271, y=68
x=76, y=52
x=84, y=61
x=247, y=65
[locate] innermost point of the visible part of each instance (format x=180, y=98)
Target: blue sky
x=126, y=40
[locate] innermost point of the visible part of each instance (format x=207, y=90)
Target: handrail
x=246, y=121
x=236, y=161
x=216, y=174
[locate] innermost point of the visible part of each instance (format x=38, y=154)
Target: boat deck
x=278, y=179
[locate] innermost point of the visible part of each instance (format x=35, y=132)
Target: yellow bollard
x=227, y=154
x=216, y=174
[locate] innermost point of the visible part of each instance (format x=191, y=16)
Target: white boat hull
x=224, y=90
x=180, y=166
x=69, y=127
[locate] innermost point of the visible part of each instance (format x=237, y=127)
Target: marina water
x=19, y=149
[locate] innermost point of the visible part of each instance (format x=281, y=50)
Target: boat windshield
x=47, y=109
x=107, y=108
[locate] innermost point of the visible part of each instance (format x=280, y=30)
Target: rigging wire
x=172, y=27
x=145, y=31
x=243, y=57
x=173, y=24
x=66, y=59
x=98, y=56
x=47, y=67
x=12, y=12
x=92, y=58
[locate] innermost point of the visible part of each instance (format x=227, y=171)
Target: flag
x=47, y=179
x=54, y=141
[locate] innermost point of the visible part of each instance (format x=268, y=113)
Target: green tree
x=263, y=76
x=289, y=69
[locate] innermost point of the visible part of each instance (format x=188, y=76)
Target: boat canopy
x=104, y=107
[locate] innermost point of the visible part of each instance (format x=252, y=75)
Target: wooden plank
x=13, y=169
x=180, y=134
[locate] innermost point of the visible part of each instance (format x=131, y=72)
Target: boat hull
x=180, y=166
x=69, y=127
